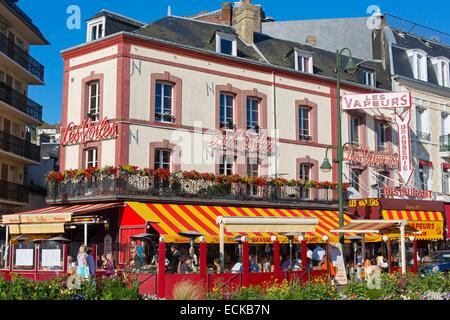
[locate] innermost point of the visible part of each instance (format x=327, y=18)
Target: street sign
x=376, y=101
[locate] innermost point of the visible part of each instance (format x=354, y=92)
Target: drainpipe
x=274, y=103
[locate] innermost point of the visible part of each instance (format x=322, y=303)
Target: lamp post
x=350, y=67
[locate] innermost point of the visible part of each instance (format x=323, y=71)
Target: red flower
x=162, y=173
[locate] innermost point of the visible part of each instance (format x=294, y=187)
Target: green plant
x=117, y=289
x=356, y=290
x=249, y=293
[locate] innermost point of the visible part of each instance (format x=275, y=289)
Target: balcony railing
x=423, y=136
x=444, y=142
x=22, y=57
x=13, y=192
x=134, y=186
x=19, y=147
x=19, y=101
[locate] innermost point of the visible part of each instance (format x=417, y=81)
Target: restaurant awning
x=50, y=219
x=365, y=227
x=430, y=223
x=170, y=219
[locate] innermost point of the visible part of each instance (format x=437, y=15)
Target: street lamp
x=350, y=67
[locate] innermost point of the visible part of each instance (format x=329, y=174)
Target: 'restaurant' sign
x=89, y=131
x=376, y=101
x=364, y=156
x=407, y=192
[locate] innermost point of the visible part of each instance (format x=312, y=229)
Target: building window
x=441, y=67
x=162, y=159
x=226, y=111
x=424, y=173
x=253, y=171
x=382, y=135
x=226, y=44
x=368, y=77
x=94, y=101
x=227, y=166
x=355, y=178
x=304, y=124
x=422, y=130
x=305, y=175
x=91, y=158
x=303, y=61
x=418, y=60
x=382, y=182
x=252, y=113
x=96, y=29
x=355, y=126
x=446, y=181
x=163, y=102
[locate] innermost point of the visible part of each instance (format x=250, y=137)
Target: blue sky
x=50, y=16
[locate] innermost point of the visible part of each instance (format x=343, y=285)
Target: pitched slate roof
x=277, y=52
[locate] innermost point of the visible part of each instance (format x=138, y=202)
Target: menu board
x=25, y=257
x=51, y=257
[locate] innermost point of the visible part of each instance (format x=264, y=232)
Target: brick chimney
x=247, y=21
x=227, y=13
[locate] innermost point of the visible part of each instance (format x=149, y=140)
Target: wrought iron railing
x=141, y=186
x=22, y=57
x=13, y=192
x=423, y=136
x=19, y=147
x=19, y=101
x=444, y=142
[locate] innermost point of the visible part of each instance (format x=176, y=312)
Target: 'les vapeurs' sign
x=89, y=131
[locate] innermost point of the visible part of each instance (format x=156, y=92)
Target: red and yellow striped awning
x=430, y=223
x=169, y=219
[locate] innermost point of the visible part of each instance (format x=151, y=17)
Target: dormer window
x=441, y=67
x=226, y=44
x=303, y=61
x=96, y=29
x=368, y=77
x=418, y=60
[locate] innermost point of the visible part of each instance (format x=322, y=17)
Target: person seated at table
x=218, y=265
x=186, y=265
x=237, y=267
x=326, y=264
x=110, y=269
x=253, y=265
x=104, y=262
x=286, y=264
x=267, y=264
x=318, y=254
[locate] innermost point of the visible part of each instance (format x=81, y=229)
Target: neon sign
x=364, y=156
x=89, y=131
x=243, y=141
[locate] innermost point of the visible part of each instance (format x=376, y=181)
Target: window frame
x=304, y=55
x=352, y=175
x=227, y=37
x=225, y=163
x=368, y=81
x=159, y=159
x=96, y=115
x=357, y=131
x=419, y=64
x=225, y=108
x=301, y=120
x=442, y=69
x=251, y=113
x=95, y=158
x=385, y=132
x=95, y=24
x=162, y=96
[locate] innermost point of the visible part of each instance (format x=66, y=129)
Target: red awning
x=446, y=166
x=75, y=209
x=425, y=163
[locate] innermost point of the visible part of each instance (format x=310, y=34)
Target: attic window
x=96, y=29
x=442, y=69
x=418, y=60
x=303, y=61
x=226, y=44
x=368, y=77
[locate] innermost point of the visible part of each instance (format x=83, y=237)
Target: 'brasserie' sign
x=89, y=131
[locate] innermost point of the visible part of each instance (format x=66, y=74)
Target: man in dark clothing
x=90, y=262
x=174, y=261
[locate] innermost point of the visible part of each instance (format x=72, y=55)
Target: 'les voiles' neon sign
x=89, y=131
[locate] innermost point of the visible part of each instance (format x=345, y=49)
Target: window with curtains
x=164, y=102
x=304, y=124
x=305, y=175
x=252, y=113
x=94, y=100
x=368, y=77
x=355, y=126
x=424, y=174
x=162, y=159
x=91, y=158
x=355, y=178
x=382, y=182
x=226, y=166
x=227, y=111
x=303, y=61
